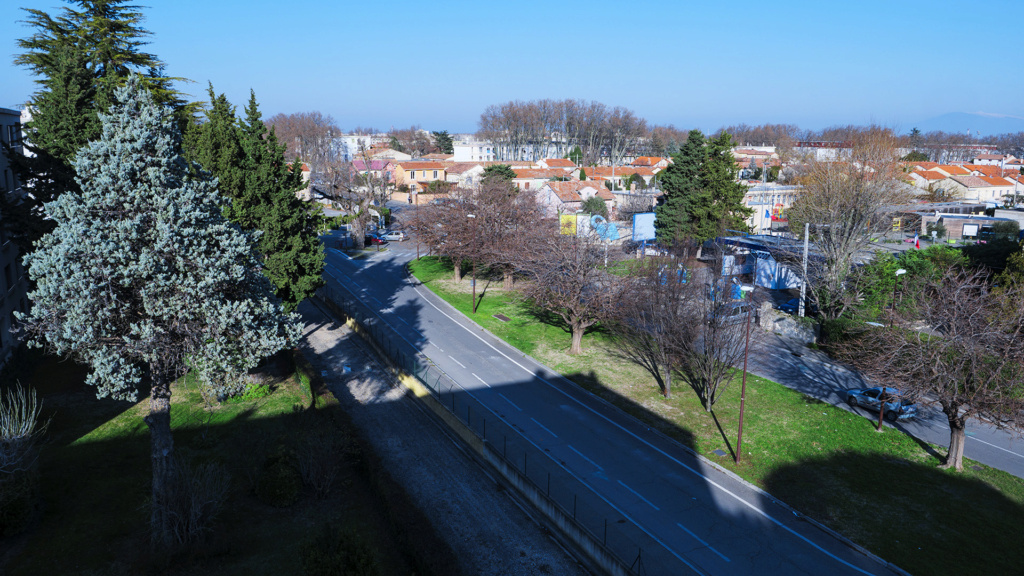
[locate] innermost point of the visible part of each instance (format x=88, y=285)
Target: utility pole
x=803, y=285
x=743, y=389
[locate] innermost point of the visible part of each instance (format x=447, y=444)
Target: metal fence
x=567, y=501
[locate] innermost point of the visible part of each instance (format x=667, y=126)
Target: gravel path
x=488, y=532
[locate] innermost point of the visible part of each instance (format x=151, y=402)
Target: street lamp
x=895, y=282
x=749, y=292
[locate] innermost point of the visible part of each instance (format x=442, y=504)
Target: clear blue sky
x=693, y=64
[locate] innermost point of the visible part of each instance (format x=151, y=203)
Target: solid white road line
x=510, y=402
x=479, y=378
x=584, y=457
x=637, y=494
x=706, y=545
x=544, y=427
x=457, y=362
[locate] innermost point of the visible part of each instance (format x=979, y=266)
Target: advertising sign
x=970, y=230
x=567, y=224
x=643, y=226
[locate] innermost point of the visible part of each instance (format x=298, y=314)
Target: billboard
x=643, y=226
x=567, y=224
x=970, y=230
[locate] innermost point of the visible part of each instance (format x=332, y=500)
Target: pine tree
x=681, y=184
x=443, y=141
x=143, y=278
x=218, y=146
x=79, y=57
x=718, y=177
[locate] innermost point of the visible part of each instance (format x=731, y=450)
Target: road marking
x=457, y=362
x=997, y=447
x=711, y=482
x=510, y=402
x=637, y=494
x=584, y=457
x=477, y=377
x=706, y=545
x=544, y=427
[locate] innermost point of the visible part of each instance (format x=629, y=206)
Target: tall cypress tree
x=718, y=177
x=252, y=172
x=681, y=185
x=79, y=57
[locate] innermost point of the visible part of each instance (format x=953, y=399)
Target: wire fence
x=579, y=511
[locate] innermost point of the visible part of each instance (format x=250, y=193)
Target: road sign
x=643, y=226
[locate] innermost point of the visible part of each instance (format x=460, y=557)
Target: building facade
x=13, y=295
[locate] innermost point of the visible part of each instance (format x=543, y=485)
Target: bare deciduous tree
x=970, y=362
x=301, y=132
x=845, y=201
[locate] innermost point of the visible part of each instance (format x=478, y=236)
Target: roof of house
x=996, y=180
x=972, y=181
x=616, y=171
x=535, y=173
x=988, y=170
x=566, y=191
x=929, y=174
x=559, y=163
x=437, y=156
x=647, y=160
x=461, y=167
x=953, y=170
x=418, y=165
x=924, y=165
x=989, y=157
x=374, y=164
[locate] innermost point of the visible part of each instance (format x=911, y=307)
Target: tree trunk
x=457, y=265
x=507, y=281
x=162, y=455
x=668, y=384
x=955, y=455
x=577, y=339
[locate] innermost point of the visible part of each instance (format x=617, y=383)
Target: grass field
x=95, y=485
x=883, y=490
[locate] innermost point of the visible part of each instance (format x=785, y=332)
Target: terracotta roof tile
x=421, y=165
x=559, y=163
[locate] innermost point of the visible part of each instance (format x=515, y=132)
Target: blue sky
x=692, y=64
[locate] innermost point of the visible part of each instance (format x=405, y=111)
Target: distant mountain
x=986, y=124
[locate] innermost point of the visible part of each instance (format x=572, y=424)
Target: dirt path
x=487, y=530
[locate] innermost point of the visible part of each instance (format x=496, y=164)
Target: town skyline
x=693, y=67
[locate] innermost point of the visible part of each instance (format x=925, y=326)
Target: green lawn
x=881, y=489
x=95, y=484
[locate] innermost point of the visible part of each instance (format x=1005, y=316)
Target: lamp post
x=895, y=283
x=474, y=266
x=743, y=389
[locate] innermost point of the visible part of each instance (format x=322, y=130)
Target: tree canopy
x=443, y=141
x=143, y=277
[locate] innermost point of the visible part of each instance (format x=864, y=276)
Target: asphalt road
x=701, y=517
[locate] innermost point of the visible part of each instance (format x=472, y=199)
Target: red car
x=371, y=239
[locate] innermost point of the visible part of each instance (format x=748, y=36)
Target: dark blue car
x=792, y=305
x=896, y=406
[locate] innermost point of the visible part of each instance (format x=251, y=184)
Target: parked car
x=395, y=236
x=897, y=407
x=792, y=306
x=372, y=239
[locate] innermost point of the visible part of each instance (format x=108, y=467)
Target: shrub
x=336, y=552
x=252, y=391
x=278, y=483
x=196, y=496
x=938, y=227
x=595, y=205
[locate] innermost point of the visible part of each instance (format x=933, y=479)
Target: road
x=701, y=517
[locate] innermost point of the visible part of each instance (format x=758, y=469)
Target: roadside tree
x=970, y=360
x=143, y=278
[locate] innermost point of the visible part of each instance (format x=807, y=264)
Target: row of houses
x=992, y=179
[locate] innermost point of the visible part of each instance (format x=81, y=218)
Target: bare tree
x=970, y=362
x=845, y=201
x=565, y=279
x=302, y=132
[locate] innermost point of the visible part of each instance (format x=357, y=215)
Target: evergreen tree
x=79, y=57
x=252, y=172
x=498, y=171
x=718, y=178
x=143, y=278
x=681, y=185
x=576, y=155
x=583, y=174
x=443, y=141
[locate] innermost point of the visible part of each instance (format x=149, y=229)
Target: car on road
x=897, y=407
x=395, y=236
x=372, y=239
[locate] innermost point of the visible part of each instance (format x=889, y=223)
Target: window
x=435, y=174
x=412, y=175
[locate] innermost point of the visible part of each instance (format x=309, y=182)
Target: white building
x=469, y=148
x=12, y=282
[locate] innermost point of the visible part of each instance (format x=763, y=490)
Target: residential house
x=981, y=188
x=615, y=174
x=534, y=178
x=438, y=157
x=951, y=170
x=464, y=174
x=417, y=175
x=567, y=197
x=389, y=154
x=13, y=295
x=993, y=159
x=926, y=178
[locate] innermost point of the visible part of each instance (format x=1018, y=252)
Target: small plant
x=279, y=483
x=252, y=391
x=19, y=429
x=336, y=552
x=938, y=227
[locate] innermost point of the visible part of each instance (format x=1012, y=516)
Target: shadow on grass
x=725, y=438
x=972, y=528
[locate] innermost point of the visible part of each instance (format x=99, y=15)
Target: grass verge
x=882, y=490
